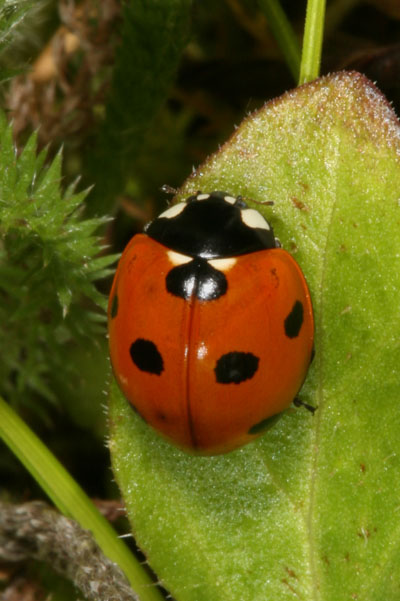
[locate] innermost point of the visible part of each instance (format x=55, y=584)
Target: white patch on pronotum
x=123, y=379
x=223, y=264
x=230, y=199
x=173, y=211
x=202, y=196
x=254, y=219
x=178, y=258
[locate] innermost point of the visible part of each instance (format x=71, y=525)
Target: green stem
x=283, y=33
x=312, y=41
x=70, y=499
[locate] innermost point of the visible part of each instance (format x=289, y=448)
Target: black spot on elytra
x=294, y=320
x=146, y=356
x=197, y=278
x=114, y=306
x=235, y=367
x=264, y=424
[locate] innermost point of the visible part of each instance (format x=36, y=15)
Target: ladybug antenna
x=264, y=203
x=240, y=202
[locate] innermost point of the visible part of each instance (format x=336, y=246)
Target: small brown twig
x=35, y=531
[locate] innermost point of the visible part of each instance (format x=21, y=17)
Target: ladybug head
x=212, y=225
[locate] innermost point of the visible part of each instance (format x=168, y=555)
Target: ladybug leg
x=168, y=189
x=299, y=403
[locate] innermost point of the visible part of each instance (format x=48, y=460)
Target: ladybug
x=210, y=324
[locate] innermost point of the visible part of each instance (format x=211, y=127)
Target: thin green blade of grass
x=70, y=499
x=312, y=41
x=283, y=33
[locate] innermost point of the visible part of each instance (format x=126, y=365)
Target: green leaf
x=310, y=510
x=12, y=13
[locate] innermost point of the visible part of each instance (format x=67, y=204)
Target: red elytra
x=210, y=324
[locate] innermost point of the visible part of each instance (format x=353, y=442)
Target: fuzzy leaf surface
x=309, y=511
